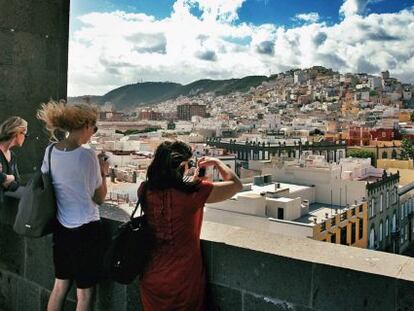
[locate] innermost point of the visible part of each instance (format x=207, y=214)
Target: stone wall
x=33, y=65
x=247, y=270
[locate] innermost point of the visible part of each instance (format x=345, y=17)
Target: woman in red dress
x=175, y=279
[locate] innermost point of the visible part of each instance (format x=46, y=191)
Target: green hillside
x=148, y=93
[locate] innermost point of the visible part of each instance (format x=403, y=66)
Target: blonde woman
x=13, y=132
x=79, y=181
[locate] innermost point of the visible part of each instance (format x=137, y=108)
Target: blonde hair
x=11, y=127
x=63, y=117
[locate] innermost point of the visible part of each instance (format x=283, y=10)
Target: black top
x=8, y=205
x=9, y=168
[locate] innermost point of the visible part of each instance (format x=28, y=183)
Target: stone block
x=16, y=15
x=223, y=298
x=206, y=250
x=44, y=298
x=69, y=305
x=46, y=18
x=405, y=296
x=110, y=296
x=344, y=289
x=29, y=57
x=28, y=296
x=11, y=250
x=268, y=275
x=33, y=60
x=6, y=51
x=133, y=297
x=39, y=261
x=53, y=55
x=254, y=303
x=8, y=291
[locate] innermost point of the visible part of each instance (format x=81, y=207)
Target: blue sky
x=113, y=43
x=252, y=11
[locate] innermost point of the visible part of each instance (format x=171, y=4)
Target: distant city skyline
x=113, y=43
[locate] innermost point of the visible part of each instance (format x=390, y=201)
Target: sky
x=118, y=42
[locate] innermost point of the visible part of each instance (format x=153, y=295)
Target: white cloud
x=353, y=7
x=118, y=48
x=312, y=17
x=213, y=10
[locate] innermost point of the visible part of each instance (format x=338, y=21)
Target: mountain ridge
x=149, y=93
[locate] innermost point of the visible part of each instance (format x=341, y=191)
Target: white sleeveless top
x=76, y=176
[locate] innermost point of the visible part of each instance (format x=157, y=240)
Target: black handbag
x=36, y=214
x=130, y=249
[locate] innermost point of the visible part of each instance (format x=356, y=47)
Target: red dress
x=174, y=279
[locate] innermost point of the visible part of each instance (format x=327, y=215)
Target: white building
x=337, y=184
x=374, y=82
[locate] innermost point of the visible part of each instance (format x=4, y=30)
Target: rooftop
x=319, y=211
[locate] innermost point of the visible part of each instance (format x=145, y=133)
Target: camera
x=201, y=171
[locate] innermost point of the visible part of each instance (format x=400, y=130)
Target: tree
x=407, y=147
x=362, y=154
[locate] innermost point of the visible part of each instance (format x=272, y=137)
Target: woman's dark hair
x=166, y=171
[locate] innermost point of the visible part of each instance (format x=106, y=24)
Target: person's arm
x=225, y=189
x=7, y=181
x=101, y=191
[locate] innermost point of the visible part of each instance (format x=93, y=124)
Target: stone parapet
x=247, y=270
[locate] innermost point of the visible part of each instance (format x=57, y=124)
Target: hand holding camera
x=103, y=163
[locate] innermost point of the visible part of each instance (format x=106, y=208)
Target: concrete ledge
x=363, y=260
x=309, y=250
x=246, y=269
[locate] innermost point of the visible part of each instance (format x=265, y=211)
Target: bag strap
x=49, y=159
x=141, y=199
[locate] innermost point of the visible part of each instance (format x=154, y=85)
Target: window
x=394, y=222
x=371, y=242
x=333, y=238
x=402, y=211
x=380, y=232
x=406, y=232
x=388, y=199
x=402, y=235
x=387, y=227
x=381, y=201
x=343, y=236
x=372, y=208
x=353, y=233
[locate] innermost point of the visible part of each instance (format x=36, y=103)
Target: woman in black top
x=13, y=132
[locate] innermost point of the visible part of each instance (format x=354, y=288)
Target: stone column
x=33, y=66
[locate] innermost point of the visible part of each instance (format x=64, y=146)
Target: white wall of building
x=283, y=227
x=325, y=181
x=291, y=207
x=245, y=203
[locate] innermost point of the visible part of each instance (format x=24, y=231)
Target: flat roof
x=319, y=210
x=256, y=190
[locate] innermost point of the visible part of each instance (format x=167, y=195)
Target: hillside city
x=321, y=154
